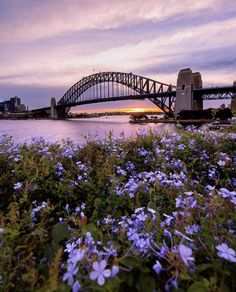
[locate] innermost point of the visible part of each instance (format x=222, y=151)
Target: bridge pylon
x=233, y=100
x=53, y=113
x=186, y=82
x=57, y=112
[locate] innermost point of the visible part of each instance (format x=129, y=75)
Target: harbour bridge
x=117, y=86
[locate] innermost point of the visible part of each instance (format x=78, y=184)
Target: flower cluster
x=37, y=209
x=87, y=256
x=155, y=212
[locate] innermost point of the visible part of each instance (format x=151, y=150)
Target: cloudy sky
x=48, y=45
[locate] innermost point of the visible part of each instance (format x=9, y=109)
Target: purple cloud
x=48, y=46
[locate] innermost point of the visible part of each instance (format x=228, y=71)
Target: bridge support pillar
x=233, y=100
x=60, y=113
x=53, y=114
x=186, y=82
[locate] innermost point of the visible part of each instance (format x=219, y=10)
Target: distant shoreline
x=29, y=116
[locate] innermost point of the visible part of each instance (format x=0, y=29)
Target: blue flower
x=114, y=271
x=142, y=216
x=17, y=186
x=76, y=256
x=157, y=267
x=76, y=286
x=185, y=253
x=37, y=209
x=70, y=247
x=83, y=206
x=181, y=147
x=99, y=272
x=71, y=271
x=191, y=229
x=226, y=253
x=120, y=171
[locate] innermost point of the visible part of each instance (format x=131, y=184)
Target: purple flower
x=185, y=253
x=210, y=188
x=67, y=208
x=167, y=221
x=114, y=271
x=157, y=267
x=178, y=202
x=70, y=247
x=233, y=200
x=17, y=186
x=221, y=162
x=226, y=193
x=143, y=152
x=89, y=238
x=120, y=171
x=167, y=233
x=71, y=271
x=142, y=216
x=77, y=255
x=226, y=253
x=99, y=272
x=189, y=193
x=37, y=209
x=181, y=147
x=191, y=229
x=76, y=286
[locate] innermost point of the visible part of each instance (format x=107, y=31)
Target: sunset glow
x=109, y=110
x=139, y=110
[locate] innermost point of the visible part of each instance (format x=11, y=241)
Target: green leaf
x=152, y=205
x=92, y=229
x=198, y=287
x=213, y=281
x=131, y=262
x=40, y=232
x=145, y=283
x=49, y=251
x=60, y=232
x=203, y=267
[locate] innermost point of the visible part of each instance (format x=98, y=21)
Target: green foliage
x=32, y=241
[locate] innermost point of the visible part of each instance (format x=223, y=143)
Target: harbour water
x=75, y=129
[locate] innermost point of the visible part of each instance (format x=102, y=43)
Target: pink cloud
x=39, y=19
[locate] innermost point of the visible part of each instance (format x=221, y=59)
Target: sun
x=137, y=110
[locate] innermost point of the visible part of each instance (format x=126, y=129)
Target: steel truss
x=161, y=94
x=214, y=93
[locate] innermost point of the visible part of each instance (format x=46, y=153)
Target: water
x=76, y=129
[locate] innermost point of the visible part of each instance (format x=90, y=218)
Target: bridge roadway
x=213, y=93
x=162, y=95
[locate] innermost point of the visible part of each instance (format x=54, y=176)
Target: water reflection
x=76, y=129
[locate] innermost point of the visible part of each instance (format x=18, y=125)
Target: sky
x=47, y=46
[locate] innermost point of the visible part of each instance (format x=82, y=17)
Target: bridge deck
x=120, y=98
x=211, y=93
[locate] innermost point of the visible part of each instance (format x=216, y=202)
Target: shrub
x=147, y=214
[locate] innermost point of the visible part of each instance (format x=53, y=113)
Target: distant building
x=13, y=105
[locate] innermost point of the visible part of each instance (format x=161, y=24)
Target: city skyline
x=46, y=47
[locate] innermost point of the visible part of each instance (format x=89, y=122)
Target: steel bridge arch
x=161, y=94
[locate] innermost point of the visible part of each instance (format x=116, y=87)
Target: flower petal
x=103, y=264
x=115, y=271
x=96, y=266
x=93, y=275
x=106, y=273
x=101, y=280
